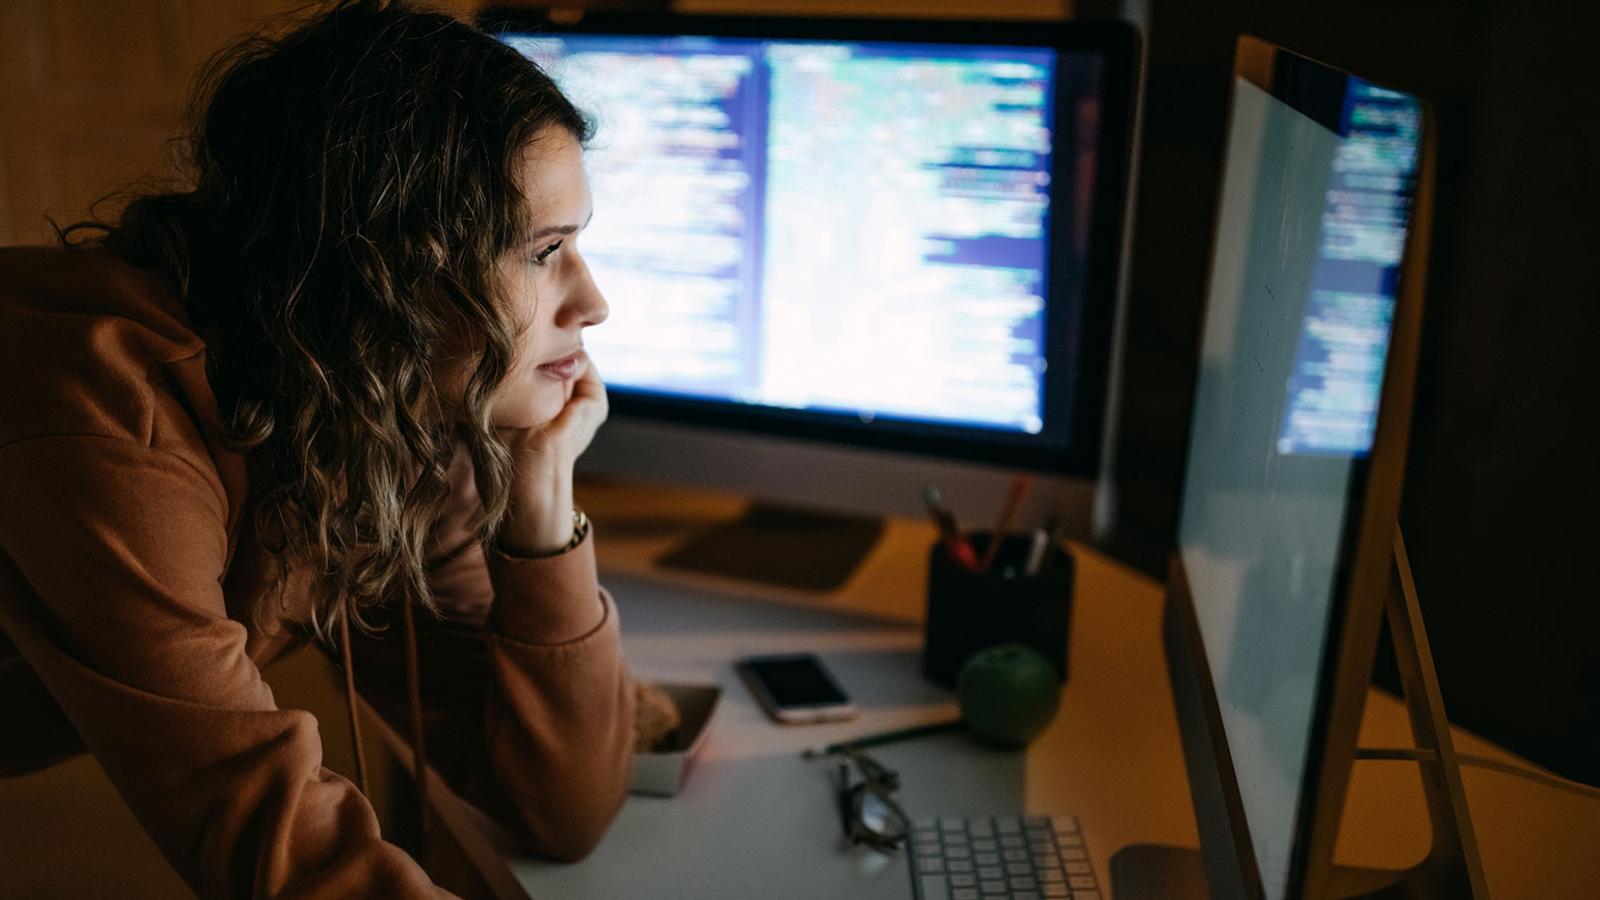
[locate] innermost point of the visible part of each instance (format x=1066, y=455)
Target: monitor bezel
x=1363, y=580
x=1085, y=398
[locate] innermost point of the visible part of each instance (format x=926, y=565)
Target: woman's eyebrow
x=560, y=229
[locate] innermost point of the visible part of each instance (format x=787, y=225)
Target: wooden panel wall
x=91, y=92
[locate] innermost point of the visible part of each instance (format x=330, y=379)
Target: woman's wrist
x=541, y=515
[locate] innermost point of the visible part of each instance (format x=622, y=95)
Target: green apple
x=1009, y=694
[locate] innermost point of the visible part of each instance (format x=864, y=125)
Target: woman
x=332, y=390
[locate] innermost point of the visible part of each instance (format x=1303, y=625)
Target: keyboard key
x=993, y=887
x=990, y=872
x=930, y=866
x=964, y=894
x=959, y=865
x=963, y=881
x=952, y=839
x=1025, y=895
x=933, y=888
x=952, y=825
x=958, y=852
x=1082, y=883
x=1055, y=890
x=1014, y=855
x=1069, y=840
x=1074, y=853
x=1047, y=861
x=985, y=846
x=981, y=828
x=988, y=859
x=1079, y=868
x=926, y=848
x=1052, y=875
x=1023, y=884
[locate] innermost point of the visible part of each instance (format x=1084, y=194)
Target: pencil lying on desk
x=887, y=737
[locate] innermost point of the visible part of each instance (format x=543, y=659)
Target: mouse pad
x=781, y=546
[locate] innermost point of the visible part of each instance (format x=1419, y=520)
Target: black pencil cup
x=970, y=610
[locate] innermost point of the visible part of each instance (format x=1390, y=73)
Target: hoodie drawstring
x=350, y=704
x=419, y=756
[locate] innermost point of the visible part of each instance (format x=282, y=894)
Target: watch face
x=580, y=527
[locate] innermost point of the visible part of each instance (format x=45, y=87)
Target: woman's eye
x=540, y=257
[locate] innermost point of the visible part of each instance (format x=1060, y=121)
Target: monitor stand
x=782, y=546
x=1452, y=867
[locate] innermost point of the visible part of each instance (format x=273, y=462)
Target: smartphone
x=796, y=688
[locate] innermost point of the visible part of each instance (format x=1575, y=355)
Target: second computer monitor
x=1296, y=453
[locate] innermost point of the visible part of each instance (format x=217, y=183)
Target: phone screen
x=796, y=681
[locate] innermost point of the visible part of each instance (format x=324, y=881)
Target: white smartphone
x=796, y=688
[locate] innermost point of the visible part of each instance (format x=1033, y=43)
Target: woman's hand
x=541, y=488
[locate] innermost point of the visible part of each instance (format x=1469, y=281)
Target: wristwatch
x=580, y=528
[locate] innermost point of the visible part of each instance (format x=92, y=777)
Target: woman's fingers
x=584, y=413
x=571, y=431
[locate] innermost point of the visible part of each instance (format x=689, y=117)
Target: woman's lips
x=564, y=369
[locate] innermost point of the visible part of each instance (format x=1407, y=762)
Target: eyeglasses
x=867, y=809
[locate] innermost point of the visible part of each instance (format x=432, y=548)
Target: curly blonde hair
x=350, y=188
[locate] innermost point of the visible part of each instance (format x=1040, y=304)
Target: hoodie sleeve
x=528, y=703
x=111, y=560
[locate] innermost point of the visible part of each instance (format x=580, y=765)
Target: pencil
x=1019, y=489
x=886, y=737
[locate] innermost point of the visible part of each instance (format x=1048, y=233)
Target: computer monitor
x=1285, y=549
x=846, y=258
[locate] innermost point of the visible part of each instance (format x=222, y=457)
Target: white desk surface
x=756, y=821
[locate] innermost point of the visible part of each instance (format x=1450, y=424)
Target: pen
x=885, y=737
x=1057, y=530
x=955, y=543
x=1019, y=489
x=1041, y=540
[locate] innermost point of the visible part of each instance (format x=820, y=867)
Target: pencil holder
x=970, y=610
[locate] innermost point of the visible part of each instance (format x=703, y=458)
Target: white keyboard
x=1015, y=857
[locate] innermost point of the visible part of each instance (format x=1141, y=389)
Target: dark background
x=1502, y=482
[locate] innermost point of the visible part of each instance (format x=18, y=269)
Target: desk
x=756, y=821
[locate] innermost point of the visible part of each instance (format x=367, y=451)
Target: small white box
x=661, y=773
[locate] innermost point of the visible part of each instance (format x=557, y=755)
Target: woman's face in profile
x=548, y=285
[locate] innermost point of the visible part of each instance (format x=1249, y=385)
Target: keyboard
x=988, y=857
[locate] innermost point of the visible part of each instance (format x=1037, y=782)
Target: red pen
x=955, y=543
x=1019, y=489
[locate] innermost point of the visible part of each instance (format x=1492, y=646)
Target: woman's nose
x=585, y=304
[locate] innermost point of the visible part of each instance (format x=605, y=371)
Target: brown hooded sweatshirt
x=129, y=573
